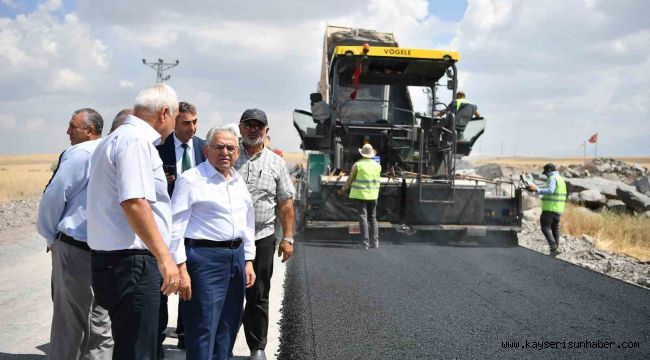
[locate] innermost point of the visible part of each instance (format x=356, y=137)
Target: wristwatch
x=288, y=239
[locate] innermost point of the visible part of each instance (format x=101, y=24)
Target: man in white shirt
x=213, y=233
x=180, y=152
x=80, y=328
x=129, y=224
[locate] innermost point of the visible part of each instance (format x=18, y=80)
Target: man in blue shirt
x=80, y=328
x=553, y=202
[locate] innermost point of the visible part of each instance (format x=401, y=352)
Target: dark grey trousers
x=368, y=221
x=81, y=329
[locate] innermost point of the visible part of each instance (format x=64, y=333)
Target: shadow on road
x=42, y=348
x=329, y=238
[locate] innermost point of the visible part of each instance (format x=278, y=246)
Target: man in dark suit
x=180, y=152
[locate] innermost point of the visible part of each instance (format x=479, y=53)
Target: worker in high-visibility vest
x=363, y=183
x=464, y=112
x=554, y=195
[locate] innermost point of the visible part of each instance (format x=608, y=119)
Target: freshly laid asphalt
x=415, y=298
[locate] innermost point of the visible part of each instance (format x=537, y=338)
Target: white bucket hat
x=367, y=151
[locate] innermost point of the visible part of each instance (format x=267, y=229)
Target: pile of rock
x=607, y=168
x=599, y=184
x=598, y=193
x=581, y=251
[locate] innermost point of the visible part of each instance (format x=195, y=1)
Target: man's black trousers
x=163, y=320
x=550, y=222
x=128, y=286
x=256, y=313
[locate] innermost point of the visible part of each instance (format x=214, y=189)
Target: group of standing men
x=152, y=210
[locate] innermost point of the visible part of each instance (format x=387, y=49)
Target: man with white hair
x=129, y=224
x=214, y=229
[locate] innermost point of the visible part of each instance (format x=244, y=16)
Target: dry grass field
x=24, y=176
x=616, y=233
x=537, y=163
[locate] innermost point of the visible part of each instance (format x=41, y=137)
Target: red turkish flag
x=593, y=139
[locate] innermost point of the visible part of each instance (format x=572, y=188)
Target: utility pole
x=160, y=66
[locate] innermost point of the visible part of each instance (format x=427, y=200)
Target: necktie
x=187, y=163
x=55, y=170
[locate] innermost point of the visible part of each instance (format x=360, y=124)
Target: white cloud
x=7, y=122
x=554, y=69
x=126, y=84
x=40, y=52
x=49, y=5
x=66, y=79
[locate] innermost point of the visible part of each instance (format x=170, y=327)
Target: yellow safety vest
x=460, y=102
x=555, y=202
x=366, y=184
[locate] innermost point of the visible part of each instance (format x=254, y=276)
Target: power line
x=160, y=66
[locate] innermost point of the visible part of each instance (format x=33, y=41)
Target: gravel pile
x=581, y=251
x=18, y=213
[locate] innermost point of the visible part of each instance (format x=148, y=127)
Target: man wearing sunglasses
x=213, y=233
x=270, y=186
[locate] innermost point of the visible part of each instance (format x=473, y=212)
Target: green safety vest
x=366, y=184
x=555, y=202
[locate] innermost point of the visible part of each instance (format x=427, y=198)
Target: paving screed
x=421, y=299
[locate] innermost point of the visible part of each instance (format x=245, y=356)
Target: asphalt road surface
x=420, y=299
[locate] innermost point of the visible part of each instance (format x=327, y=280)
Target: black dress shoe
x=258, y=355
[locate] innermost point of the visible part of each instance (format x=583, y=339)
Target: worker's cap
x=367, y=151
x=460, y=92
x=549, y=168
x=254, y=114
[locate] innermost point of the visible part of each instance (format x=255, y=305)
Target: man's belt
x=71, y=241
x=232, y=244
x=123, y=252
